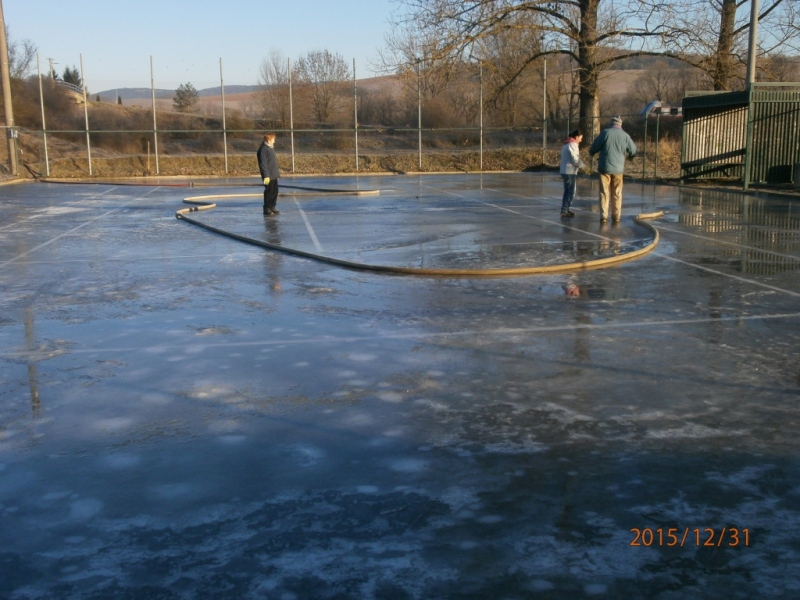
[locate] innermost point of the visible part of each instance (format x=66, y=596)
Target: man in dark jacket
x=613, y=144
x=270, y=173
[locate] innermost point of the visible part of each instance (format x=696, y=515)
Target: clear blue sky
x=187, y=39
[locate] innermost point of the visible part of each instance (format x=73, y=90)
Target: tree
x=185, y=98
x=73, y=76
x=272, y=98
x=593, y=39
x=20, y=56
x=715, y=36
x=325, y=75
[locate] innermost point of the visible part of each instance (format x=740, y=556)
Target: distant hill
x=162, y=94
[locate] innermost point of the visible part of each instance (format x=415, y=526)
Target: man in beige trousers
x=614, y=146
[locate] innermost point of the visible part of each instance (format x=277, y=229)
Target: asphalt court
x=183, y=414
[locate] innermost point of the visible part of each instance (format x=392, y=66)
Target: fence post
x=544, y=113
x=355, y=110
x=86, y=117
x=658, y=120
x=155, y=127
x=291, y=108
x=224, y=130
x=644, y=150
x=44, y=126
x=419, y=112
x=480, y=71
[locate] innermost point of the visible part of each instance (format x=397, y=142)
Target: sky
x=188, y=39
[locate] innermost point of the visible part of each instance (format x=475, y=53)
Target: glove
x=266, y=180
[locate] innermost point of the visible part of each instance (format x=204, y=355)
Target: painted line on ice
x=735, y=245
x=74, y=229
x=313, y=235
x=161, y=348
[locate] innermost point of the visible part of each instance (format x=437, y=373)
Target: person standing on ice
x=570, y=163
x=270, y=173
x=613, y=145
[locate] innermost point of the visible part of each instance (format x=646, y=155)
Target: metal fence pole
x=419, y=113
x=291, y=107
x=644, y=150
x=155, y=126
x=544, y=113
x=44, y=126
x=480, y=72
x=355, y=110
x=86, y=117
x=224, y=130
x=658, y=119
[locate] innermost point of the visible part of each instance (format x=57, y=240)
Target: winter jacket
x=570, y=158
x=268, y=162
x=613, y=144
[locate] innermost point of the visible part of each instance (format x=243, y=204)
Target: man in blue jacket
x=613, y=144
x=268, y=165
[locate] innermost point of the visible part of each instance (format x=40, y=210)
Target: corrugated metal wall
x=776, y=135
x=715, y=134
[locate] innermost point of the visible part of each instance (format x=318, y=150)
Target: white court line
x=126, y=258
x=734, y=244
x=660, y=255
x=433, y=335
x=74, y=229
x=516, y=212
x=728, y=275
x=313, y=235
x=16, y=223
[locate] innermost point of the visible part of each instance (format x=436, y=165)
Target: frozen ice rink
x=183, y=415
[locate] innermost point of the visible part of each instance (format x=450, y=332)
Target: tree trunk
x=723, y=67
x=589, y=94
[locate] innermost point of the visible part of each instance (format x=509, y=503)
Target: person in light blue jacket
x=614, y=146
x=570, y=163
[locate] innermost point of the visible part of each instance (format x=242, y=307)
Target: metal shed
x=752, y=135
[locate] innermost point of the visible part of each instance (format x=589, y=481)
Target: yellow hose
x=535, y=270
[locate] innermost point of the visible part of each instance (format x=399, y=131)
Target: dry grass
x=506, y=159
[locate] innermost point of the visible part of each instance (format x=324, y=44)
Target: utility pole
x=11, y=132
x=752, y=49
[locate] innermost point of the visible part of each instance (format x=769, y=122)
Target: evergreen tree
x=185, y=98
x=73, y=76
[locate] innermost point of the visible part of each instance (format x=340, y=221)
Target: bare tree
x=715, y=36
x=21, y=54
x=594, y=39
x=325, y=75
x=272, y=98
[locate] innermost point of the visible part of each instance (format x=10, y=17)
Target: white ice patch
x=361, y=357
x=55, y=211
x=86, y=508
x=243, y=257
x=305, y=455
x=392, y=397
x=156, y=399
x=435, y=405
x=692, y=430
x=113, y=424
x=408, y=465
x=53, y=496
x=345, y=374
